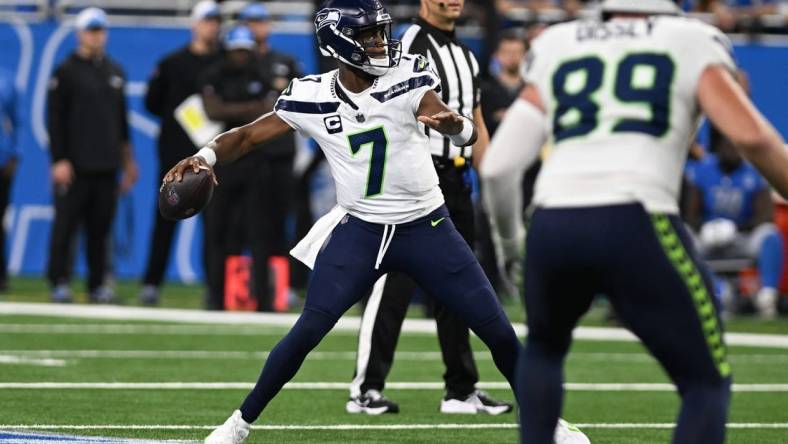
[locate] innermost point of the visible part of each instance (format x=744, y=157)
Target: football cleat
x=766, y=303
x=149, y=295
x=476, y=402
x=104, y=295
x=61, y=294
x=566, y=433
x=372, y=403
x=233, y=431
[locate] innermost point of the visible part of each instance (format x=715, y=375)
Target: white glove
x=718, y=233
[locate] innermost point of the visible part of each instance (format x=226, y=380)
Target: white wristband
x=463, y=137
x=208, y=155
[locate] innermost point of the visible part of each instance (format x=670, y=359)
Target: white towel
x=307, y=250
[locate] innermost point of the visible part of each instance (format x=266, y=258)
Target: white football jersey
x=378, y=156
x=622, y=111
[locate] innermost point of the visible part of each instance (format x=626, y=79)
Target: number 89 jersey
x=622, y=109
x=377, y=150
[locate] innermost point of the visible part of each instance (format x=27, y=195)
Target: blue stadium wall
x=32, y=50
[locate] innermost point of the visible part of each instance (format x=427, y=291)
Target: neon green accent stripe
x=681, y=260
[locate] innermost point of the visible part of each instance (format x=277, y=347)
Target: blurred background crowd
x=144, y=83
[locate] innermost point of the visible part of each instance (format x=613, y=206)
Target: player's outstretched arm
x=729, y=108
x=436, y=115
x=483, y=139
x=232, y=145
x=515, y=146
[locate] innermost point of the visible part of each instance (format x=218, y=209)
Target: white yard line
x=413, y=326
x=369, y=426
x=140, y=329
x=571, y=386
x=23, y=360
x=739, y=358
x=246, y=321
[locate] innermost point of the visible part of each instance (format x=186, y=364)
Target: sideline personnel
x=89, y=145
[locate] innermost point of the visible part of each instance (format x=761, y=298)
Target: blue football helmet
x=339, y=23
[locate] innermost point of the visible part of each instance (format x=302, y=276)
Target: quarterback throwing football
x=368, y=116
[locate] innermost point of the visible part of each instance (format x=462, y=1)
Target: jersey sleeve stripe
x=403, y=87
x=295, y=106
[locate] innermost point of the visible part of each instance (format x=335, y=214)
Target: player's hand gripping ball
x=186, y=189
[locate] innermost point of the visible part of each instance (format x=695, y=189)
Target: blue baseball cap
x=91, y=18
x=239, y=37
x=254, y=12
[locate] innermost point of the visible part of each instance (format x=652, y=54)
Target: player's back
x=621, y=102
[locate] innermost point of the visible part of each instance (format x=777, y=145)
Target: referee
x=433, y=36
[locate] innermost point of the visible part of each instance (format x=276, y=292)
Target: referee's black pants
x=387, y=306
x=90, y=200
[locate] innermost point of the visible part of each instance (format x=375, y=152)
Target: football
x=184, y=199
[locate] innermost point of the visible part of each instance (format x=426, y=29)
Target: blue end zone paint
x=33, y=438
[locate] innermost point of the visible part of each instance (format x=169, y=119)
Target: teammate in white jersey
x=620, y=98
x=390, y=215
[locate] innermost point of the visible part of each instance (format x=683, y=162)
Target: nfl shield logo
x=172, y=197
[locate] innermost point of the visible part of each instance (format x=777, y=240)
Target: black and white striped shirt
x=459, y=72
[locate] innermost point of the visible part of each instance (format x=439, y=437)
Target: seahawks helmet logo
x=327, y=17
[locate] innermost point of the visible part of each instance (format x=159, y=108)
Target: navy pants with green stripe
x=646, y=265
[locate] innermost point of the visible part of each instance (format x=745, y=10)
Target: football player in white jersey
x=620, y=99
x=368, y=117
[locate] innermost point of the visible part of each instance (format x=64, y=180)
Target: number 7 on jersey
x=376, y=138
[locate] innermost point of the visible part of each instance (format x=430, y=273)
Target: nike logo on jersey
x=435, y=223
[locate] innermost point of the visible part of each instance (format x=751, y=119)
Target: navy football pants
x=433, y=254
x=647, y=267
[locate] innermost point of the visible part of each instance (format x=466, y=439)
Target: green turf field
x=196, y=374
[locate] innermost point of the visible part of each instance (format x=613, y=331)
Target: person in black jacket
x=174, y=81
x=89, y=145
x=10, y=130
x=236, y=92
x=277, y=160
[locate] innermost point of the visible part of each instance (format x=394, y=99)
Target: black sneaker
x=476, y=402
x=372, y=403
x=104, y=295
x=61, y=294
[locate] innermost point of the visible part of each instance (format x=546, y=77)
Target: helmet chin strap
x=378, y=66
x=374, y=70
